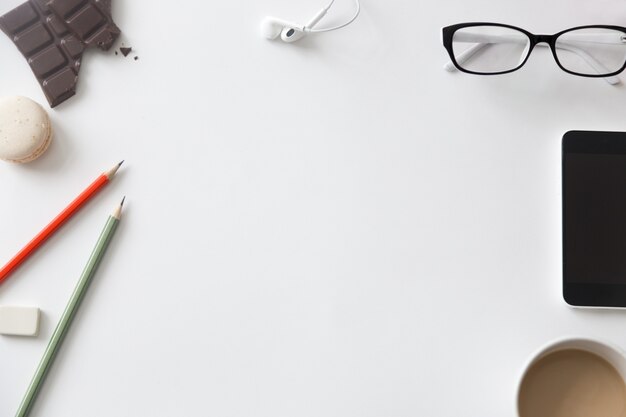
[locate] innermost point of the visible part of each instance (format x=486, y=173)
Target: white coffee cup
x=612, y=354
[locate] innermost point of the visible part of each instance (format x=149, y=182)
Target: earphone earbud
x=272, y=27
x=289, y=34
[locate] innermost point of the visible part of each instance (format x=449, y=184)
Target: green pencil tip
x=122, y=203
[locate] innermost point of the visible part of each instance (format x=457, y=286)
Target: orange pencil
x=58, y=221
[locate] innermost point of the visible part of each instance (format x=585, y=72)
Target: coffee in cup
x=574, y=378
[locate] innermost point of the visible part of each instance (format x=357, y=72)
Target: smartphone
x=594, y=218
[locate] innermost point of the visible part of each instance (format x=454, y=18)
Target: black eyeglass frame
x=447, y=34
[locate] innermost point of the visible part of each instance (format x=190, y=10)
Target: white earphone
x=272, y=27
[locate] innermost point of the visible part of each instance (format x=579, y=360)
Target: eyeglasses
x=493, y=48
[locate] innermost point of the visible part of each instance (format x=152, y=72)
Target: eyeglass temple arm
x=593, y=63
x=464, y=56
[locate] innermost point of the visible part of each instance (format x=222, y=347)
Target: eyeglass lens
x=592, y=51
x=490, y=49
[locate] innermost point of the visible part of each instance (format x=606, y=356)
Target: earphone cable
x=356, y=14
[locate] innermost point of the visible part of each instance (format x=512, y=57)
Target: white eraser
x=19, y=321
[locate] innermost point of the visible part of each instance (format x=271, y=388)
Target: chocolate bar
x=53, y=39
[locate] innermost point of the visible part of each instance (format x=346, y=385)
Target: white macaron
x=25, y=129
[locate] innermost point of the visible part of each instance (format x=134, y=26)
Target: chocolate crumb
x=125, y=51
x=115, y=52
x=136, y=58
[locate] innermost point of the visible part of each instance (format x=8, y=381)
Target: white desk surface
x=334, y=228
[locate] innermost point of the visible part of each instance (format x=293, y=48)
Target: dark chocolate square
x=19, y=18
x=60, y=87
x=73, y=46
x=48, y=61
x=66, y=8
x=86, y=22
x=33, y=39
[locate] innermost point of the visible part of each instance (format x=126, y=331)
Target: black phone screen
x=594, y=217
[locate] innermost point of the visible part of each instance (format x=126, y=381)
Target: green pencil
x=70, y=312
